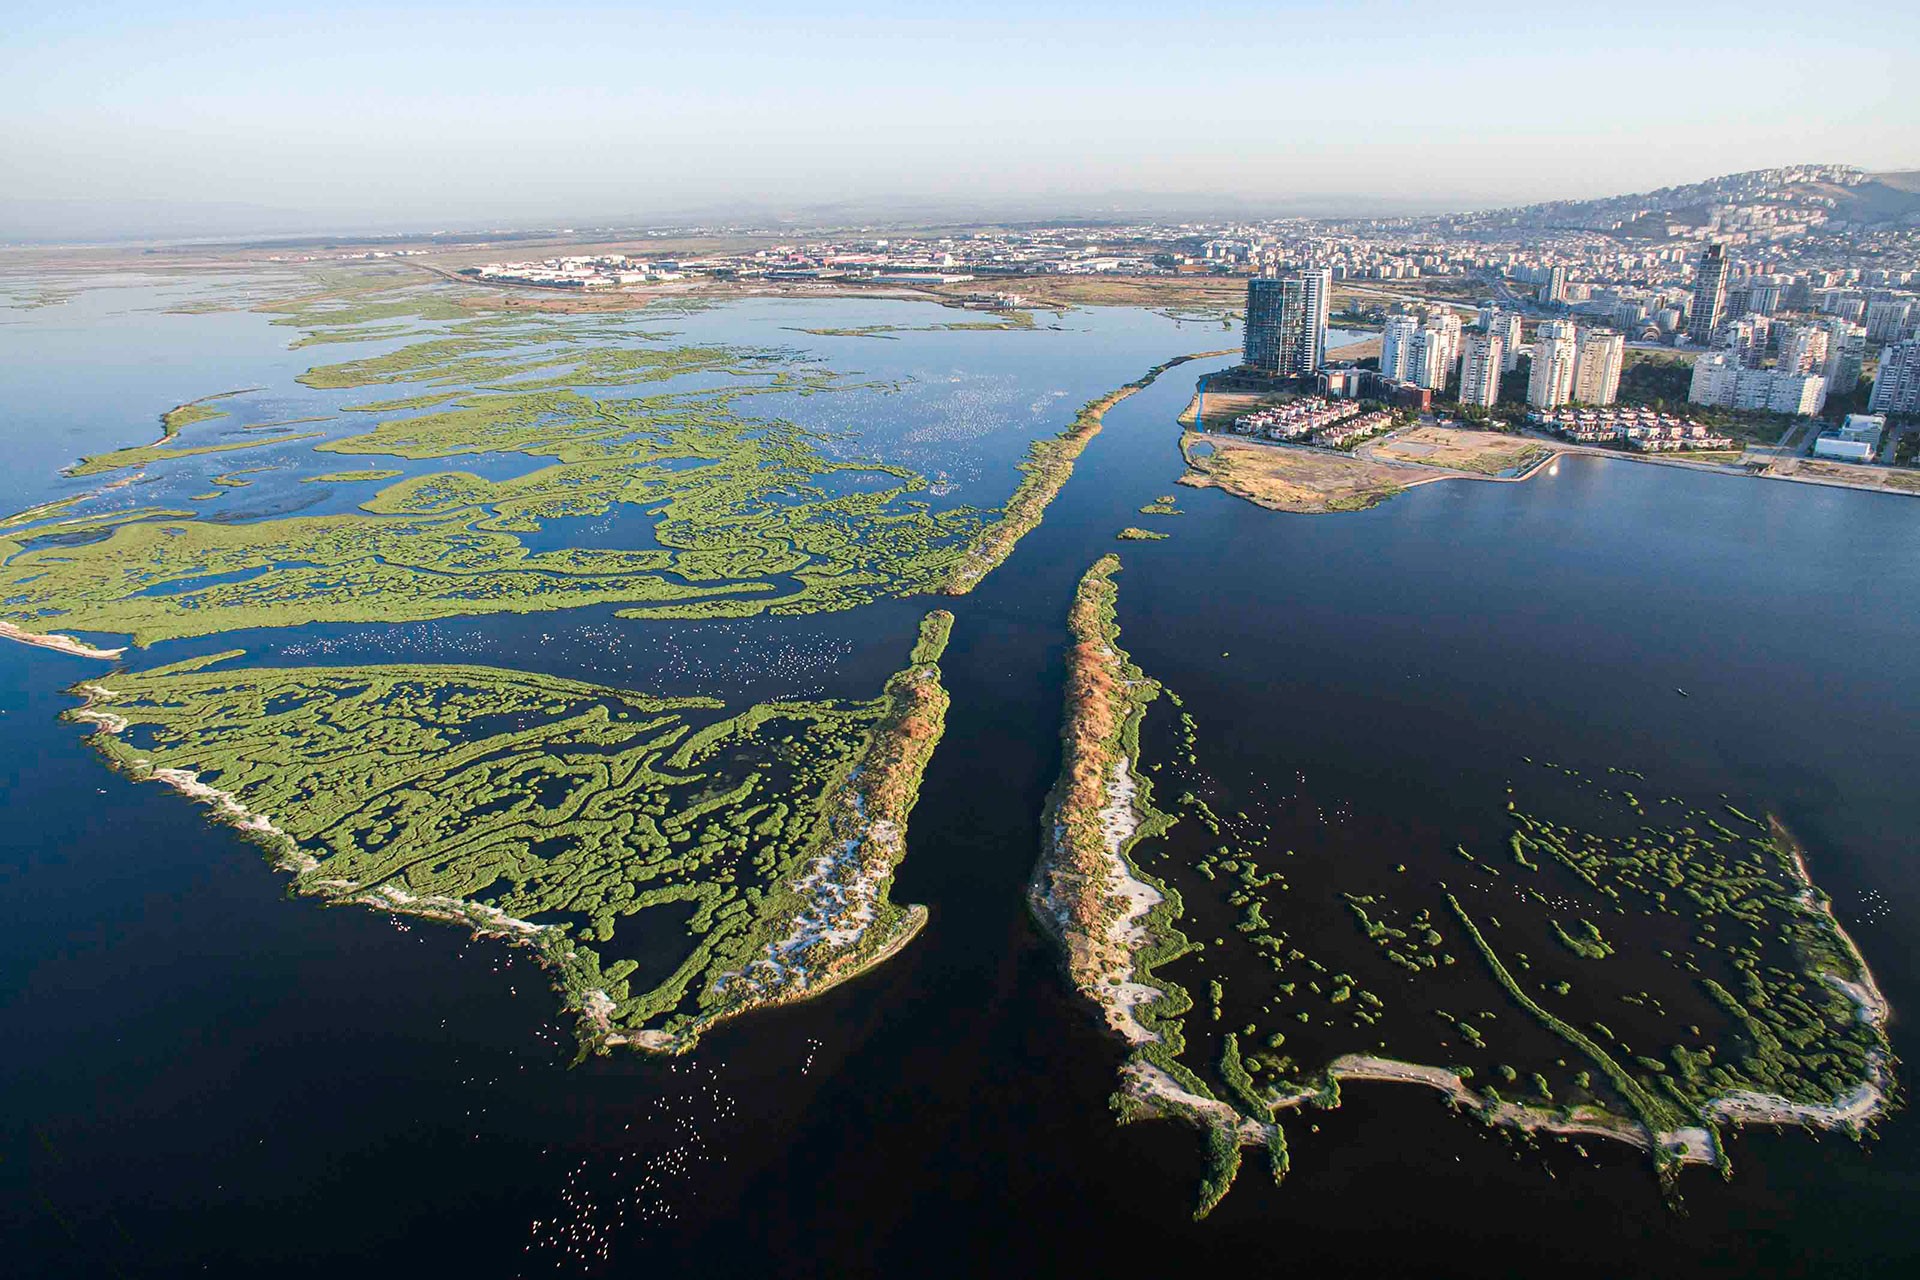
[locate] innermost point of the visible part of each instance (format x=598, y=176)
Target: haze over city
x=217, y=117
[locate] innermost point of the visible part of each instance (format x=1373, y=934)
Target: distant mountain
x=1817, y=194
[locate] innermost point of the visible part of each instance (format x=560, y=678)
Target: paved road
x=1813, y=434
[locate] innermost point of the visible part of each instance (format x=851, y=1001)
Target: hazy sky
x=409, y=113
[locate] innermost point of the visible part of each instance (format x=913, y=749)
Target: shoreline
x=843, y=891
x=1087, y=896
x=1045, y=471
x=882, y=783
x=1423, y=474
x=57, y=642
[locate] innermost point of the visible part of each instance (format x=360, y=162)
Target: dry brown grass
x=1225, y=406
x=1366, y=348
x=1222, y=293
x=1481, y=452
x=1857, y=475
x=1290, y=479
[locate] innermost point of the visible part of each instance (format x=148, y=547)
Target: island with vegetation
x=1764, y=1011
x=560, y=814
x=744, y=521
x=589, y=822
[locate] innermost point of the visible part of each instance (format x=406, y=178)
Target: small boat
x=1683, y=693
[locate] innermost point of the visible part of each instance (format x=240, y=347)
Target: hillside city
x=1744, y=303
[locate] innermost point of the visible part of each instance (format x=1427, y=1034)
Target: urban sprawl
x=1768, y=292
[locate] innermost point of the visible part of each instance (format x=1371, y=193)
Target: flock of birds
x=603, y=1199
x=656, y=660
x=736, y=659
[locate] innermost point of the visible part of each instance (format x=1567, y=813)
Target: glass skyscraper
x=1287, y=324
x=1709, y=296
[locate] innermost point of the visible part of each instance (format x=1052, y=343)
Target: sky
x=176, y=116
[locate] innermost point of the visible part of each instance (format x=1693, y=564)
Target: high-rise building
x=1747, y=339
x=1433, y=356
x=1896, y=388
x=1720, y=379
x=1428, y=367
x=1480, y=369
x=1506, y=327
x=1287, y=323
x=1397, y=339
x=1709, y=295
x=1716, y=377
x=1630, y=316
x=1554, y=351
x=1803, y=350
x=1436, y=350
x=1597, y=365
x=1845, y=304
x=1889, y=319
x=1554, y=288
x=1846, y=355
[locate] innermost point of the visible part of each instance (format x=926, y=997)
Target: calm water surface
x=203, y=1077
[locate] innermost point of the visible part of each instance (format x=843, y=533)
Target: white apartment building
x=1719, y=379
x=1597, y=364
x=1480, y=369
x=1436, y=350
x=1896, y=388
x=1803, y=350
x=1554, y=354
x=1747, y=339
x=1396, y=347
x=1506, y=326
x=1889, y=320
x=1846, y=354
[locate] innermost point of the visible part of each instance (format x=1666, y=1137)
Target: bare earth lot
x=1224, y=406
x=1485, y=453
x=1286, y=478
x=1853, y=475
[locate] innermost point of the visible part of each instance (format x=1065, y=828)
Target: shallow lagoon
x=210, y=1074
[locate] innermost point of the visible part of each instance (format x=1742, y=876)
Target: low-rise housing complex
x=1351, y=431
x=1295, y=420
x=1642, y=429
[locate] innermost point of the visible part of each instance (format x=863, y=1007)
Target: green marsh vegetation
x=743, y=519
x=146, y=454
x=586, y=821
x=348, y=477
x=1003, y=322
x=749, y=515
x=172, y=423
x=742, y=523
x=1112, y=949
x=673, y=860
x=1647, y=968
x=1048, y=466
